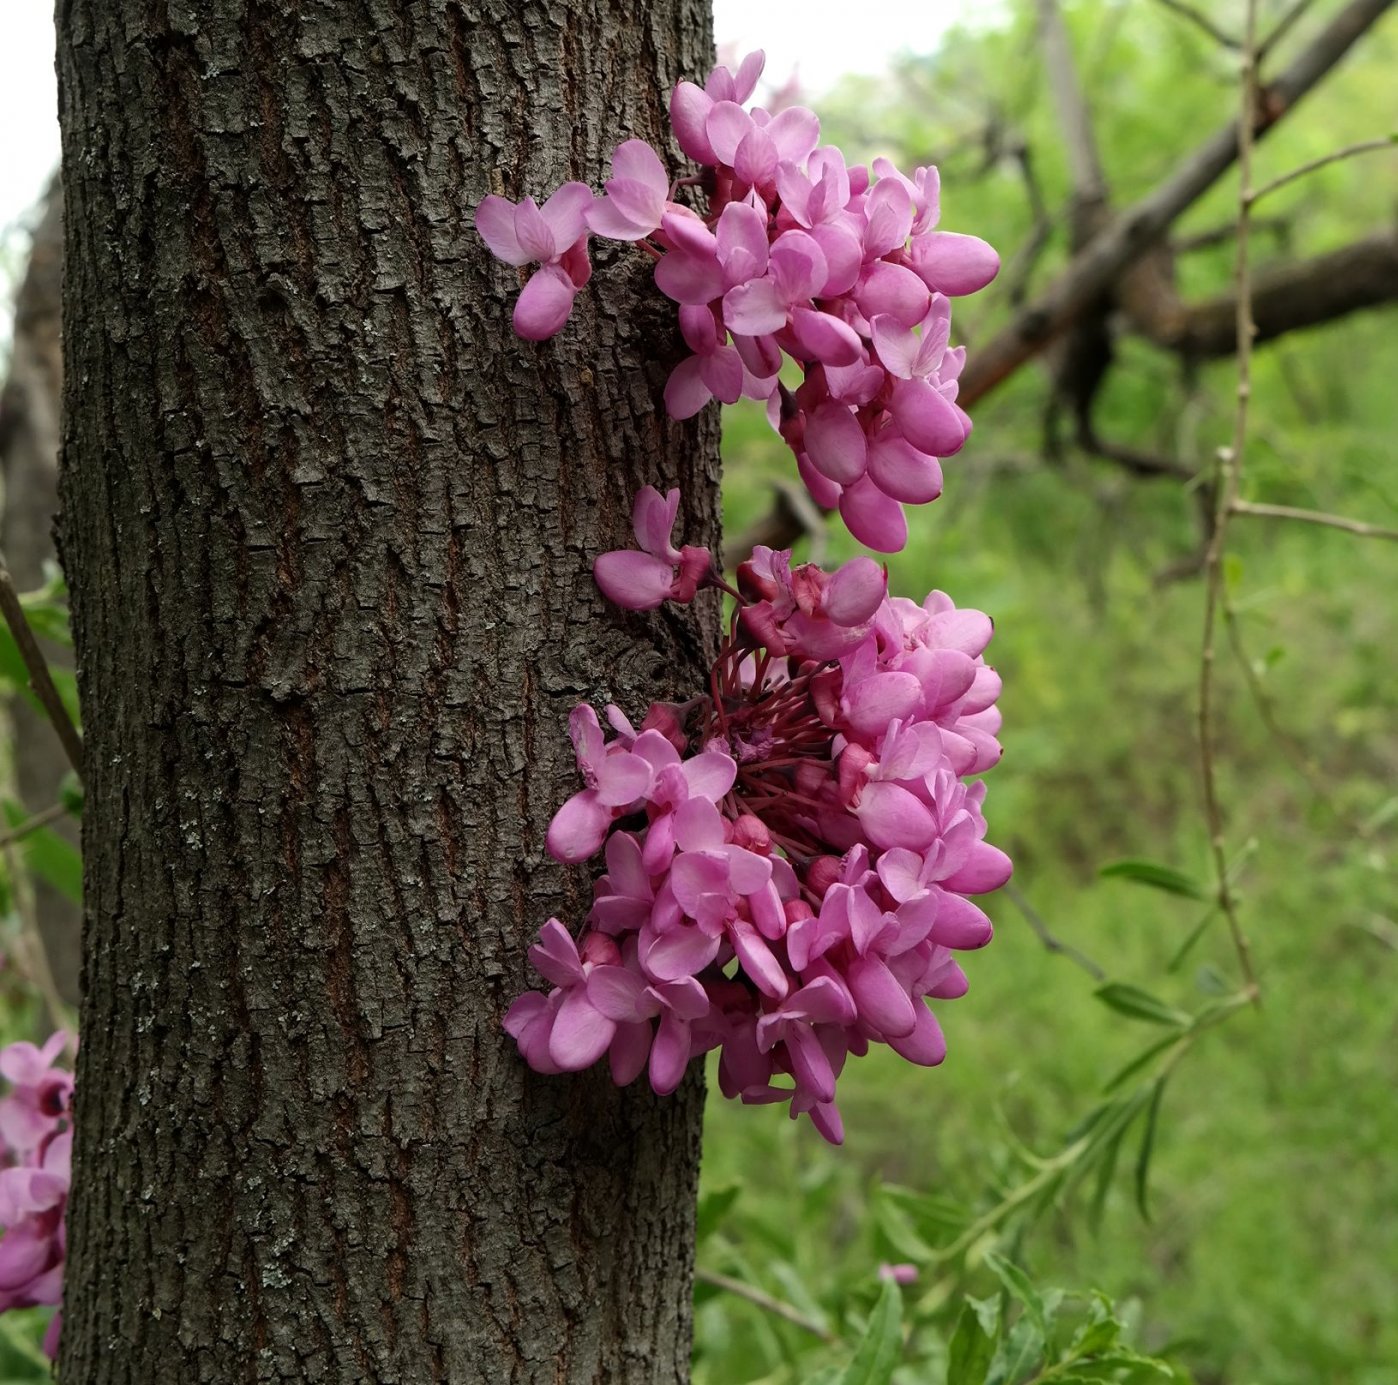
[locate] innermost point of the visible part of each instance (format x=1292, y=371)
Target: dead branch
x=1287, y=298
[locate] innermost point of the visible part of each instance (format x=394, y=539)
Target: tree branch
x=1084, y=162
x=765, y=1301
x=1365, y=146
x=1227, y=478
x=1358, y=527
x=39, y=677
x=1288, y=297
x=1282, y=28
x=1132, y=233
x=1201, y=21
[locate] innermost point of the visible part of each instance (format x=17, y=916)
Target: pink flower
x=614, y=779
x=636, y=197
x=36, y=1144
x=40, y=1095
x=641, y=581
x=553, y=236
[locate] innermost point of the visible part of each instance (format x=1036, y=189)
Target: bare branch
x=1041, y=931
x=1201, y=21
x=1147, y=464
x=1348, y=152
x=39, y=677
x=32, y=824
x=1290, y=296
x=1227, y=477
x=1021, y=264
x=1358, y=527
x=1279, y=226
x=1135, y=230
x=765, y=1301
x=1084, y=162
x=1282, y=28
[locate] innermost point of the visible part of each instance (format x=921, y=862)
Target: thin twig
x=1364, y=146
x=39, y=677
x=1282, y=28
x=772, y=1305
x=1054, y=944
x=1302, y=761
x=1201, y=21
x=1257, y=510
x=23, y=829
x=1227, y=474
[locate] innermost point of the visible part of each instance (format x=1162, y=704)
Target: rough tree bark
x=29, y=410
x=328, y=528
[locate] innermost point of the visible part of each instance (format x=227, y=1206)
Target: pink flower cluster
x=789, y=854
x=36, y=1151
x=794, y=255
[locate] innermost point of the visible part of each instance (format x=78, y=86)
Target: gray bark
x=29, y=429
x=328, y=528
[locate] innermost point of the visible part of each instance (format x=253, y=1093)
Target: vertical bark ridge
x=329, y=530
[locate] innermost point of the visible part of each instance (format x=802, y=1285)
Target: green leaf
x=882, y=1347
x=1158, y=877
x=713, y=1207
x=50, y=857
x=898, y=1228
x=1140, y=1005
x=1147, y=1148
x=1111, y=1151
x=1018, y=1286
x=1192, y=937
x=1140, y=1061
x=972, y=1347
x=1095, y=1338
x=70, y=794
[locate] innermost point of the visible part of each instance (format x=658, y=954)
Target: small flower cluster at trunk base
x=789, y=854
x=795, y=255
x=36, y=1154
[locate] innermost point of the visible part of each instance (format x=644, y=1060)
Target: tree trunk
x=329, y=529
x=29, y=410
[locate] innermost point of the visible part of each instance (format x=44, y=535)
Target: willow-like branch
x=1257, y=510
x=1227, y=476
x=775, y=1306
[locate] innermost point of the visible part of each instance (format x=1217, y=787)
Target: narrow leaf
x=1018, y=1286
x=1147, y=1148
x=1192, y=937
x=1158, y=877
x=1140, y=1005
x=1141, y=1061
x=882, y=1345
